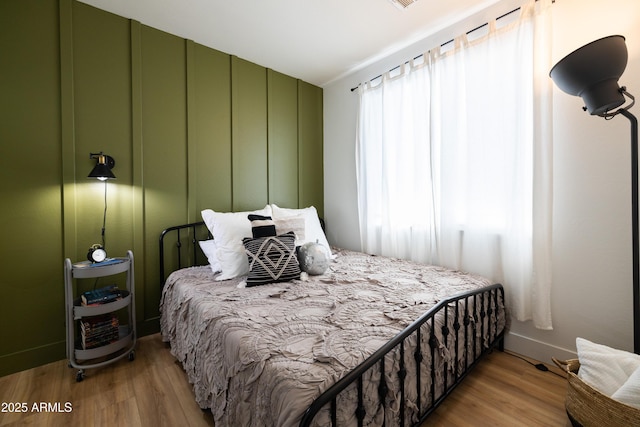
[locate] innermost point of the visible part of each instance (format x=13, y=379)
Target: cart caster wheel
x=132, y=356
x=79, y=376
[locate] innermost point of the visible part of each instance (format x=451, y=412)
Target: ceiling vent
x=402, y=4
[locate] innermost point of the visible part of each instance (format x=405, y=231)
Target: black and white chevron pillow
x=271, y=259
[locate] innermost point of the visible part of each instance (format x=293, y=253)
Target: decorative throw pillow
x=262, y=226
x=271, y=259
x=294, y=223
x=313, y=228
x=228, y=229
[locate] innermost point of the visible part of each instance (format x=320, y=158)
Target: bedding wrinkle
x=259, y=356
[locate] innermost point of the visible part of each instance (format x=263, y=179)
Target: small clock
x=97, y=253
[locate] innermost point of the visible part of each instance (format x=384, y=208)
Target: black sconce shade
x=592, y=72
x=102, y=170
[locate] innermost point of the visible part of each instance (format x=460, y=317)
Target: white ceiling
x=317, y=41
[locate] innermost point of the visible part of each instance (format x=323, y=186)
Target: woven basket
x=588, y=407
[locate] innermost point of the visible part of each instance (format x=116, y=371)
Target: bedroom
x=591, y=236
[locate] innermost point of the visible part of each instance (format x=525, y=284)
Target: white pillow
x=604, y=368
x=313, y=230
x=629, y=393
x=294, y=223
x=210, y=249
x=228, y=229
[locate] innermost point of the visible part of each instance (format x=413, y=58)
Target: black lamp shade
x=592, y=72
x=102, y=170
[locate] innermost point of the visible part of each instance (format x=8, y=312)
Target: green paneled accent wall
x=101, y=121
x=249, y=135
x=31, y=250
x=164, y=134
x=310, y=163
x=210, y=133
x=283, y=139
x=189, y=127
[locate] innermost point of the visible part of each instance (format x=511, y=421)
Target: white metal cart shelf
x=80, y=358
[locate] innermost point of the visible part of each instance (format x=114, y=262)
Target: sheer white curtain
x=454, y=159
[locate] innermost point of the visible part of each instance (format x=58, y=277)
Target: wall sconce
x=104, y=164
x=101, y=171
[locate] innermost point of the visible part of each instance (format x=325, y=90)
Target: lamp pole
x=635, y=228
x=592, y=72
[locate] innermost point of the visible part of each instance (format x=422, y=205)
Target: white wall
x=592, y=277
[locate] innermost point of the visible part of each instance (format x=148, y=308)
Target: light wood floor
x=503, y=390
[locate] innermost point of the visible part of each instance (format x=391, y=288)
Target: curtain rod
x=447, y=42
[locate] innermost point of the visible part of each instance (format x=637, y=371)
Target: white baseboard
x=535, y=349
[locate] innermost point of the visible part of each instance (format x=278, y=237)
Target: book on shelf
x=101, y=295
x=89, y=264
x=96, y=331
x=95, y=343
x=101, y=326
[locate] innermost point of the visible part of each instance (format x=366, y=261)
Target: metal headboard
x=191, y=230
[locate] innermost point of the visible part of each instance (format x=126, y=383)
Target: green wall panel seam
x=282, y=139
x=268, y=78
x=192, y=189
x=249, y=135
x=69, y=226
x=138, y=165
x=234, y=96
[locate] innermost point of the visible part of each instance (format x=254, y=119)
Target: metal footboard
x=472, y=316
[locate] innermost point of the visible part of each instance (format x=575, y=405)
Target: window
x=454, y=163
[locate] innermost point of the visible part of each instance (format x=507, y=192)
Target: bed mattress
x=259, y=356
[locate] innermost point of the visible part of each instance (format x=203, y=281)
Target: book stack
x=101, y=296
x=100, y=330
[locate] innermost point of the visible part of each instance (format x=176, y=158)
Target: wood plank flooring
x=153, y=390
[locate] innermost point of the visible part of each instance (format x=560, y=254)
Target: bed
x=372, y=341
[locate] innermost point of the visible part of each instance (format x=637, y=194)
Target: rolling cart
x=79, y=357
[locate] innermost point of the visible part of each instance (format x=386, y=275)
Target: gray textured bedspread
x=259, y=356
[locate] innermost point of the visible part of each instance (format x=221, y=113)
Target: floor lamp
x=592, y=72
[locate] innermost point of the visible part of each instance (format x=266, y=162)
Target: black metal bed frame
x=192, y=233
x=466, y=323
x=466, y=331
